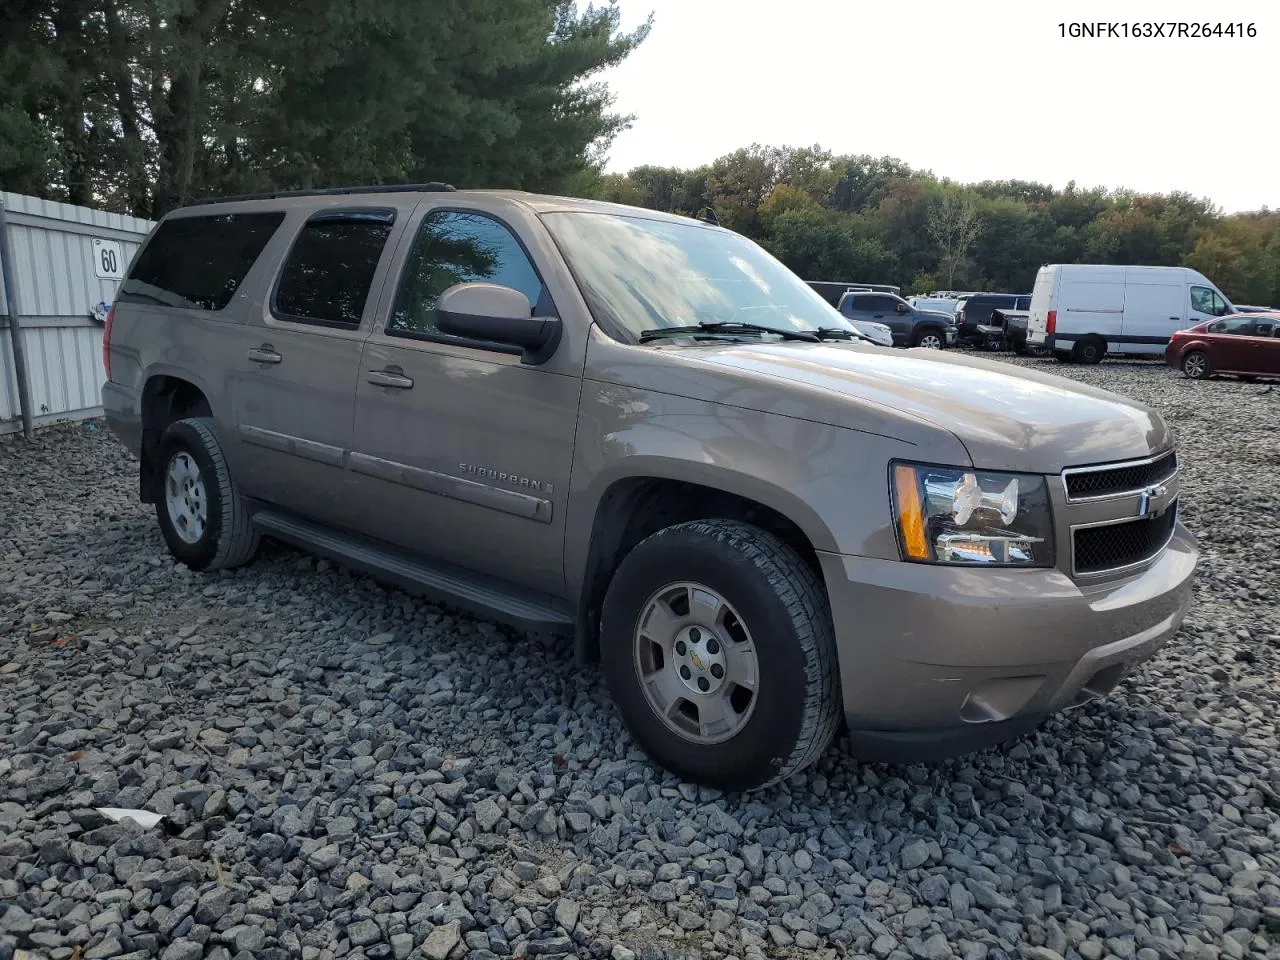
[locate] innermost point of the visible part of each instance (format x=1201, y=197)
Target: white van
x=1083, y=311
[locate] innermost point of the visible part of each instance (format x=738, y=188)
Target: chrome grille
x=1113, y=546
x=1084, y=483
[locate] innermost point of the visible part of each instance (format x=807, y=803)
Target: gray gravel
x=346, y=771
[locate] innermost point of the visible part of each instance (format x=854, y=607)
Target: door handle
x=264, y=354
x=390, y=377
x=1175, y=318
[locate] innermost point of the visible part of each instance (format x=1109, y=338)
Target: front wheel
x=930, y=340
x=1195, y=365
x=201, y=515
x=718, y=648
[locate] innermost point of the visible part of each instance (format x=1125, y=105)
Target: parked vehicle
x=945, y=305
x=877, y=333
x=1013, y=329
x=1244, y=345
x=762, y=528
x=1249, y=308
x=975, y=311
x=832, y=292
x=1082, y=312
x=910, y=327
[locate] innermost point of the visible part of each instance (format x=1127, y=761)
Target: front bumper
x=936, y=661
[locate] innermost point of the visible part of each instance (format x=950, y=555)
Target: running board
x=475, y=593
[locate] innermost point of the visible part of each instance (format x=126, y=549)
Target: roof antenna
x=707, y=215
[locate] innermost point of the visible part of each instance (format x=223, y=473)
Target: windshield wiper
x=728, y=326
x=840, y=333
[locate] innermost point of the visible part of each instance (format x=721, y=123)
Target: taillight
x=106, y=340
x=1051, y=324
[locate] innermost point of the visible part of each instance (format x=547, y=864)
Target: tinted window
x=1264, y=327
x=883, y=304
x=199, y=262
x=1024, y=303
x=1204, y=300
x=456, y=247
x=863, y=302
x=329, y=271
x=1236, y=326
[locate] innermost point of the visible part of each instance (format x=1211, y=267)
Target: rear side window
x=1237, y=327
x=1024, y=303
x=329, y=271
x=199, y=262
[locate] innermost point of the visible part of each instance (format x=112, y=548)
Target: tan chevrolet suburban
x=643, y=432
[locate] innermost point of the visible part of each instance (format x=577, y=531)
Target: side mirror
x=902, y=308
x=497, y=314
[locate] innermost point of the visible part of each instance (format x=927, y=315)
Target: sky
x=971, y=90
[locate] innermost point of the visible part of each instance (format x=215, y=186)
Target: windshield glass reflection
x=639, y=274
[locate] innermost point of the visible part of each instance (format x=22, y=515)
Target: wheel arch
x=166, y=398
x=632, y=507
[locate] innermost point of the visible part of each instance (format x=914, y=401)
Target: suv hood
x=1007, y=417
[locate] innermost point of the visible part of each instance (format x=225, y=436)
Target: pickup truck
x=910, y=327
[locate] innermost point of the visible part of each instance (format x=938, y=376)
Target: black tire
x=917, y=339
x=1063, y=356
x=1020, y=347
x=1090, y=350
x=1196, y=366
x=782, y=604
x=229, y=539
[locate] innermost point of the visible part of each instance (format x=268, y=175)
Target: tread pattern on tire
x=804, y=598
x=238, y=539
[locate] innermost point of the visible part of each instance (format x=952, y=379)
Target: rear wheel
x=718, y=648
x=930, y=340
x=1089, y=350
x=1063, y=356
x=201, y=515
x=1195, y=365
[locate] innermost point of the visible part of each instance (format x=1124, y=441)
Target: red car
x=1243, y=344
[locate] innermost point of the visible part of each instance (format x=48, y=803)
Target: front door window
x=1206, y=300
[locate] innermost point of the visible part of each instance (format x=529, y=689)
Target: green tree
x=954, y=225
x=142, y=105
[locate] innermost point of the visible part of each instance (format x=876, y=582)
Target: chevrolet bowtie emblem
x=1145, y=510
x=697, y=660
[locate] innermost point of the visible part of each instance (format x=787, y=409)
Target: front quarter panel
x=831, y=481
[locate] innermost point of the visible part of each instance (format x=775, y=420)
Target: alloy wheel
x=696, y=663
x=185, y=498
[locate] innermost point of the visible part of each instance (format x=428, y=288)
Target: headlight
x=956, y=515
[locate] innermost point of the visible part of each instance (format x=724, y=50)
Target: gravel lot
x=347, y=771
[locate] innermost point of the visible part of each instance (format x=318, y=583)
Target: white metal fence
x=66, y=261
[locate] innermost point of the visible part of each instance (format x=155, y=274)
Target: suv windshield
x=640, y=275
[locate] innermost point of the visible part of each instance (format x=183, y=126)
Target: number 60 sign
x=108, y=260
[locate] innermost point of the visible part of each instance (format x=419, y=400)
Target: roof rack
x=434, y=186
